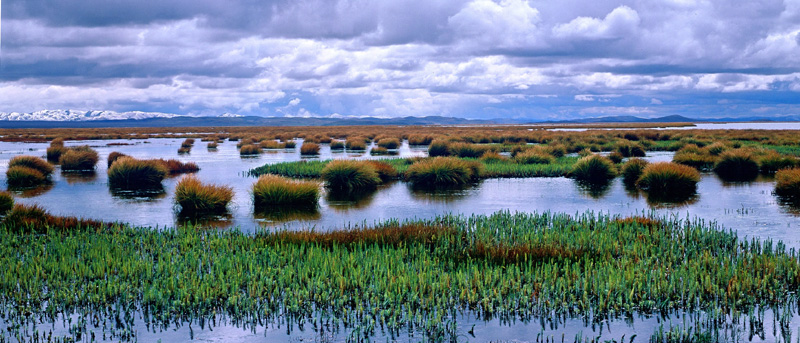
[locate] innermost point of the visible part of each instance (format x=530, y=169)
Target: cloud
x=474, y=58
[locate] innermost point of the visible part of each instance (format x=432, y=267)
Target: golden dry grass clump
x=787, y=183
x=272, y=190
x=195, y=197
x=665, y=179
x=129, y=173
x=443, y=171
x=350, y=175
x=80, y=158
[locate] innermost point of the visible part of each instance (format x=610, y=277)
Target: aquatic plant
x=212, y=145
x=130, y=173
x=736, y=165
x=632, y=170
x=695, y=160
x=35, y=219
x=465, y=150
x=270, y=144
x=716, y=148
x=438, y=148
x=309, y=149
x=629, y=149
x=356, y=143
x=389, y=143
x=350, y=175
x=273, y=190
x=772, y=161
x=492, y=157
x=415, y=278
x=787, y=183
x=20, y=177
x=443, y=171
x=534, y=157
x=249, y=149
x=6, y=202
x=54, y=153
x=420, y=139
x=177, y=167
x=113, y=156
x=615, y=157
x=337, y=145
x=385, y=170
x=289, y=144
x=32, y=162
x=187, y=143
x=665, y=179
x=80, y=158
x=593, y=169
x=195, y=197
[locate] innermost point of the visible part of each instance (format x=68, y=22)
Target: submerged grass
x=408, y=276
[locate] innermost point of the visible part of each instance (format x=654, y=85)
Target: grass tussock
x=79, y=159
x=337, y=145
x=534, y=157
x=771, y=162
x=32, y=162
x=6, y=202
x=273, y=190
x=177, y=167
x=130, y=173
x=736, y=165
x=33, y=218
x=356, y=143
x=639, y=221
x=249, y=150
x=212, y=145
x=27, y=171
x=493, y=157
x=385, y=170
x=438, y=148
x=309, y=149
x=113, y=156
x=593, y=169
x=787, y=183
x=54, y=153
x=667, y=179
x=350, y=175
x=420, y=139
x=195, y=197
x=443, y=171
x=632, y=170
x=389, y=143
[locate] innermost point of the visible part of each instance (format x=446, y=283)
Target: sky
x=538, y=60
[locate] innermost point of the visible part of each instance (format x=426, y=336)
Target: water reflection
x=674, y=200
x=278, y=215
x=789, y=204
x=139, y=195
x=595, y=190
x=30, y=192
x=213, y=221
x=345, y=200
x=79, y=177
x=442, y=194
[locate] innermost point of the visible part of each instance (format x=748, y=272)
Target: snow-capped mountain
x=73, y=115
x=230, y=115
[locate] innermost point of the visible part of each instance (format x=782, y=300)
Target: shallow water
x=749, y=208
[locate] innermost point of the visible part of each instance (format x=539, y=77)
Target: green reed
x=587, y=266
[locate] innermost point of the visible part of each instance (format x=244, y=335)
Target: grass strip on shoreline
x=492, y=169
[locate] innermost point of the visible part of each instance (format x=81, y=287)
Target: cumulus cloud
x=473, y=58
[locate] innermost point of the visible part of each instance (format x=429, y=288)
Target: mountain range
x=97, y=119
